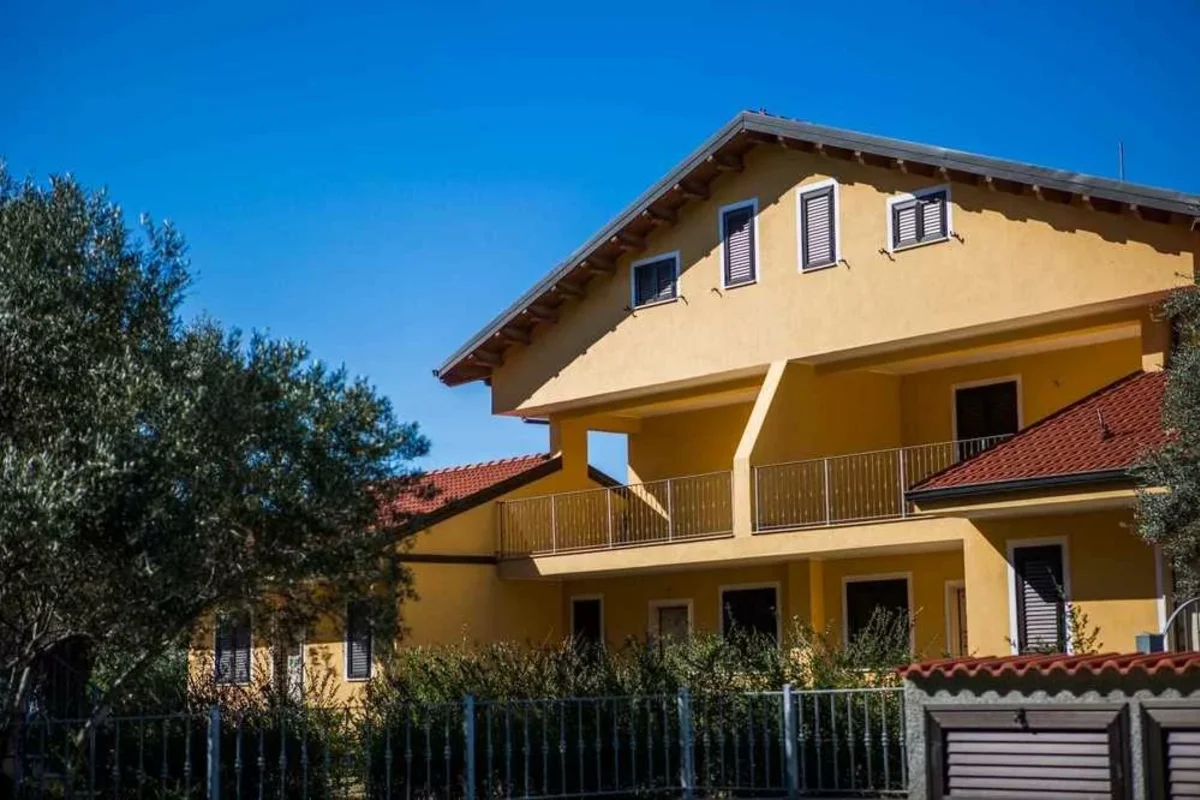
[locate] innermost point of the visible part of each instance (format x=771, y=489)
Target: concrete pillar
x=1156, y=341
x=569, y=439
x=743, y=478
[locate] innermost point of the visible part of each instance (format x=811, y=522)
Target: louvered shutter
x=233, y=648
x=1024, y=763
x=654, y=281
x=224, y=651
x=904, y=224
x=817, y=214
x=1183, y=763
x=241, y=650
x=358, y=642
x=1041, y=622
x=738, y=226
x=933, y=216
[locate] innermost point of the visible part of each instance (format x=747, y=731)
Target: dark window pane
x=586, y=626
x=358, y=641
x=751, y=611
x=863, y=598
x=986, y=411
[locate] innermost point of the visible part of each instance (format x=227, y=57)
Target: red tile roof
x=1059, y=664
x=1106, y=431
x=439, y=488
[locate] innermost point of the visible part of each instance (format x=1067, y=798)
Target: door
x=984, y=413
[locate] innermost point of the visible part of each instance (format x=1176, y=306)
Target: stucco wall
x=1014, y=257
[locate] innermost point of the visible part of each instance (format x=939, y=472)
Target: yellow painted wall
x=1017, y=257
x=1048, y=382
x=1111, y=574
x=687, y=443
x=928, y=573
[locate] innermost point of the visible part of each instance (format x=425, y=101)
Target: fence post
x=828, y=506
x=903, y=503
x=553, y=525
x=687, y=769
x=608, y=514
x=214, y=753
x=469, y=737
x=791, y=762
x=670, y=514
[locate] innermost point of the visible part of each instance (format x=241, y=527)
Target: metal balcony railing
x=675, y=509
x=851, y=488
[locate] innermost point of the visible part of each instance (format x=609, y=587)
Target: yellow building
x=835, y=358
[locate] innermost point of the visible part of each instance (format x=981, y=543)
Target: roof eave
x=982, y=490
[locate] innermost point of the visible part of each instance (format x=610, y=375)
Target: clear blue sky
x=380, y=182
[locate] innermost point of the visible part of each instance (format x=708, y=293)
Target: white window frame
x=751, y=203
x=653, y=607
x=585, y=597
x=1012, y=546
x=346, y=652
x=986, y=382
x=801, y=237
x=952, y=587
x=633, y=304
x=917, y=195
x=733, y=587
x=217, y=656
x=869, y=578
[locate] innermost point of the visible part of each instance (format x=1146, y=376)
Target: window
x=1041, y=598
x=865, y=597
x=751, y=610
x=287, y=666
x=670, y=619
x=232, y=648
x=739, y=247
x=358, y=641
x=919, y=218
x=983, y=413
x=587, y=620
x=655, y=280
x=817, y=215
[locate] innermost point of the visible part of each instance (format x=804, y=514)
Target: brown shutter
x=232, y=656
x=1041, y=622
x=933, y=216
x=738, y=227
x=1183, y=763
x=1027, y=763
x=654, y=281
x=358, y=642
x=817, y=217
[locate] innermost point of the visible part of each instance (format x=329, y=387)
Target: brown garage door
x=1173, y=748
x=1027, y=752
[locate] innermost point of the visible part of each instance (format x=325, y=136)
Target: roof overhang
x=724, y=151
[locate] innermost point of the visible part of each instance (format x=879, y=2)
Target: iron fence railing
x=767, y=744
x=854, y=487
x=674, y=509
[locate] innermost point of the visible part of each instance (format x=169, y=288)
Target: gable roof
x=1093, y=440
x=443, y=493
x=723, y=152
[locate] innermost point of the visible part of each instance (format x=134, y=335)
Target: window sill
x=348, y=679
x=819, y=267
x=657, y=303
x=918, y=244
x=739, y=284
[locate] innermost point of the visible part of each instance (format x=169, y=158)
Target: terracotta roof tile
x=1107, y=430
x=440, y=487
x=1057, y=664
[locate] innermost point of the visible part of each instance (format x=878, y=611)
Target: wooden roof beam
x=568, y=290
x=542, y=314
x=488, y=358
x=658, y=217
x=726, y=163
x=598, y=266
x=628, y=241
x=692, y=191
x=515, y=336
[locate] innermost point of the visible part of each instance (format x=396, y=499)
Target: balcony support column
x=743, y=478
x=1156, y=340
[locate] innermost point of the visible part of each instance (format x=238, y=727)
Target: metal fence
x=852, y=488
x=766, y=744
x=675, y=509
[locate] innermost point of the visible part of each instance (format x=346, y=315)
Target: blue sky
x=380, y=181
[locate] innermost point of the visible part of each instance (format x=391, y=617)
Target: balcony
x=671, y=510
x=817, y=492
x=851, y=488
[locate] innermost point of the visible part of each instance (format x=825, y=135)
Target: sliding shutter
x=654, y=281
x=817, y=217
x=1063, y=763
x=1041, y=621
x=358, y=642
x=738, y=227
x=1183, y=763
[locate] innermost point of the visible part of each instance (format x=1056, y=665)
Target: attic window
x=655, y=280
x=919, y=218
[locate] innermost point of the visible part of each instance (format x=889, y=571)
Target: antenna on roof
x=1105, y=433
x=1121, y=159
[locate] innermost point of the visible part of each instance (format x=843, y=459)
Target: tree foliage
x=152, y=470
x=1169, y=500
